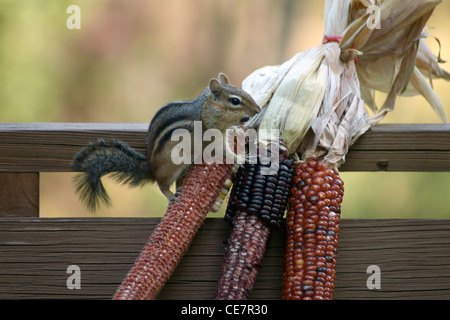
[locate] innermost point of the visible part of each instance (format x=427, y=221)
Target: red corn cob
x=256, y=206
x=312, y=232
x=173, y=235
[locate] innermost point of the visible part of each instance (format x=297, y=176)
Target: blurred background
x=131, y=57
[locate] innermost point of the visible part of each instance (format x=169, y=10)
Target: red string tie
x=327, y=39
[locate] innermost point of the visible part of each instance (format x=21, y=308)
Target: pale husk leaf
x=342, y=116
x=299, y=95
x=392, y=52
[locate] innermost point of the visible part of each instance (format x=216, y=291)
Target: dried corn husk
x=379, y=72
x=316, y=99
x=342, y=117
x=394, y=55
x=428, y=63
x=299, y=94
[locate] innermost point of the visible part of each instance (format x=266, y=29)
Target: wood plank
x=50, y=147
x=413, y=255
x=414, y=137
x=400, y=160
x=19, y=194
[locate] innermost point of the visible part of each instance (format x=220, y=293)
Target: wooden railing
x=413, y=255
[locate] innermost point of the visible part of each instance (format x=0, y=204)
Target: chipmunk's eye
x=235, y=101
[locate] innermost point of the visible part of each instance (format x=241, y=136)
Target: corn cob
x=262, y=195
x=243, y=256
x=312, y=232
x=256, y=206
x=173, y=235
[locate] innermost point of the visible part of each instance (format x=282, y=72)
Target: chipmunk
x=219, y=106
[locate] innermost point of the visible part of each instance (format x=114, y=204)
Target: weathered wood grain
x=414, y=137
x=406, y=147
x=413, y=255
x=19, y=194
x=50, y=147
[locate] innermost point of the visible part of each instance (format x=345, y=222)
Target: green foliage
x=30, y=59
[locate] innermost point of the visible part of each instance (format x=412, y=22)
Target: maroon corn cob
x=173, y=235
x=312, y=229
x=256, y=206
x=243, y=256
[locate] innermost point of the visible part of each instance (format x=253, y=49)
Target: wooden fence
x=413, y=255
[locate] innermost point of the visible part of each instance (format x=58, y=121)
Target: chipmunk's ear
x=215, y=87
x=223, y=79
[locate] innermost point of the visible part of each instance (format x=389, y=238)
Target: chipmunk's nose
x=245, y=119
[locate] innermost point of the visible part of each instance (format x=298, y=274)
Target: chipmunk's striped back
x=172, y=116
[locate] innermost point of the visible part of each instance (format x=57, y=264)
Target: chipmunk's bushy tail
x=99, y=158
